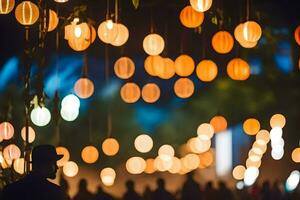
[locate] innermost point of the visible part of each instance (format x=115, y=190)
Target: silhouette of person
x=266, y=191
x=131, y=194
x=35, y=186
x=83, y=193
x=102, y=195
x=210, y=191
x=191, y=189
x=161, y=192
x=223, y=192
x=276, y=194
x=147, y=195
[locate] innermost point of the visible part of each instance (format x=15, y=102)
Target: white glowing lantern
x=201, y=5
x=31, y=134
x=70, y=102
x=166, y=152
x=277, y=154
x=251, y=175
x=198, y=145
x=40, y=116
x=176, y=165
x=276, y=133
x=135, y=165
x=240, y=185
x=70, y=169
x=292, y=181
x=205, y=131
x=162, y=165
x=153, y=44
x=69, y=115
x=61, y=1
x=143, y=143
x=108, y=176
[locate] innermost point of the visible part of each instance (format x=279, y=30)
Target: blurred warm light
x=191, y=18
x=110, y=146
x=205, y=131
x=297, y=35
x=251, y=163
x=84, y=88
x=276, y=133
x=224, y=152
x=176, y=166
x=27, y=13
x=122, y=36
x=150, y=168
x=31, y=134
x=296, y=155
x=6, y=130
x=251, y=126
x=6, y=6
x=53, y=20
x=251, y=175
x=70, y=169
x=259, y=149
x=197, y=145
x=184, y=65
x=238, y=172
x=135, y=165
x=201, y=5
x=277, y=120
x=206, y=159
x=61, y=1
x=153, y=63
x=130, y=92
x=222, y=42
x=108, y=31
x=19, y=165
x=254, y=156
x=239, y=36
x=143, y=143
x=40, y=116
x=263, y=137
x=251, y=31
x=108, y=176
x=184, y=88
x=124, y=68
x=219, y=123
x=292, y=181
x=238, y=69
x=150, y=92
x=167, y=70
x=66, y=155
x=207, y=70
x=89, y=154
x=191, y=161
x=153, y=44
x=11, y=152
x=163, y=165
x=166, y=152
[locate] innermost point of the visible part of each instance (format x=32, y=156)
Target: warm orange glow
x=11, y=152
x=122, y=37
x=250, y=163
x=258, y=148
x=19, y=165
x=150, y=169
x=191, y=18
x=238, y=69
x=84, y=88
x=6, y=6
x=108, y=31
x=239, y=36
x=207, y=70
x=184, y=65
x=251, y=126
x=263, y=137
x=108, y=176
x=143, y=143
x=70, y=169
x=130, y=93
x=176, y=166
x=166, y=152
x=219, y=123
x=66, y=155
x=191, y=161
x=297, y=35
x=89, y=154
x=153, y=64
x=167, y=70
x=201, y=5
x=205, y=131
x=296, y=155
x=277, y=120
x=153, y=44
x=197, y=145
x=27, y=13
x=206, y=159
x=222, y=42
x=31, y=134
x=251, y=31
x=80, y=36
x=150, y=93
x=135, y=165
x=184, y=88
x=238, y=172
x=110, y=146
x=124, y=68
x=6, y=130
x=53, y=20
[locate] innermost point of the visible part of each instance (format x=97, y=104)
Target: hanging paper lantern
x=150, y=93
x=222, y=42
x=153, y=64
x=11, y=152
x=27, y=13
x=6, y=6
x=6, y=130
x=251, y=31
x=53, y=20
x=66, y=155
x=184, y=88
x=81, y=36
x=263, y=137
x=110, y=146
x=184, y=65
x=130, y=93
x=89, y=154
x=296, y=155
x=108, y=31
x=31, y=134
x=135, y=165
x=201, y=5
x=297, y=35
x=108, y=176
x=40, y=116
x=167, y=70
x=251, y=126
x=277, y=120
x=69, y=115
x=19, y=165
x=207, y=70
x=166, y=152
x=239, y=36
x=84, y=88
x=191, y=18
x=70, y=169
x=219, y=123
x=150, y=168
x=124, y=68
x=61, y=1
x=143, y=143
x=153, y=44
x=122, y=37
x=238, y=172
x=238, y=69
x=205, y=131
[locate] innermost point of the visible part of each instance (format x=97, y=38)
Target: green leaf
x=214, y=20
x=135, y=3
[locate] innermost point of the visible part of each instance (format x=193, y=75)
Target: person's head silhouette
x=44, y=158
x=82, y=184
x=130, y=185
x=161, y=183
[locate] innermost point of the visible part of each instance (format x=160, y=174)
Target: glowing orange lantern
x=153, y=44
x=296, y=155
x=219, y=123
x=263, y=137
x=27, y=13
x=150, y=169
x=167, y=70
x=207, y=70
x=184, y=88
x=84, y=88
x=6, y=6
x=297, y=35
x=135, y=165
x=153, y=64
x=239, y=36
x=108, y=31
x=124, y=68
x=110, y=146
x=238, y=172
x=191, y=18
x=150, y=93
x=206, y=159
x=31, y=134
x=251, y=126
x=251, y=31
x=122, y=37
x=66, y=155
x=205, y=131
x=130, y=92
x=89, y=154
x=6, y=130
x=11, y=152
x=277, y=120
x=238, y=69
x=201, y=5
x=184, y=65
x=222, y=42
x=53, y=20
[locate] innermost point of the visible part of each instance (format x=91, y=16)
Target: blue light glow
x=283, y=58
x=8, y=72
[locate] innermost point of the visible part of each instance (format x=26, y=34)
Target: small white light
x=240, y=185
x=276, y=133
x=69, y=115
x=250, y=176
x=292, y=181
x=277, y=155
x=109, y=24
x=70, y=102
x=77, y=31
x=40, y=116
